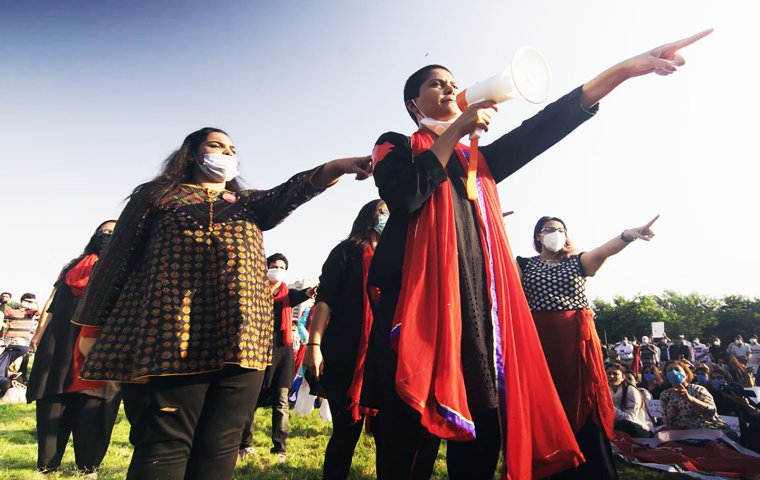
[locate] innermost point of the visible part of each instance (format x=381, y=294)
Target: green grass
x=306, y=446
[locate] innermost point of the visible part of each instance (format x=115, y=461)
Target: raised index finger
x=652, y=221
x=679, y=44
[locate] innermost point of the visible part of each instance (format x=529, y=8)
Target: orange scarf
x=428, y=328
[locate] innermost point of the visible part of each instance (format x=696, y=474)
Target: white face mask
x=554, y=242
x=753, y=341
x=219, y=167
x=29, y=305
x=276, y=275
x=380, y=223
x=436, y=126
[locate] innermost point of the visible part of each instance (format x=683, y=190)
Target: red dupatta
x=355, y=389
x=282, y=298
x=538, y=439
x=79, y=275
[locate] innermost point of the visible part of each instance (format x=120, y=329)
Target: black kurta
x=406, y=183
x=53, y=358
x=340, y=287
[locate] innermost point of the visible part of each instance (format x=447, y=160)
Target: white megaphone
x=527, y=77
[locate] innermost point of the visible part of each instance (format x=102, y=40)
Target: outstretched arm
x=662, y=60
x=594, y=259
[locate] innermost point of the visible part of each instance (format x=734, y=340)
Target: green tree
x=628, y=318
x=691, y=314
x=737, y=315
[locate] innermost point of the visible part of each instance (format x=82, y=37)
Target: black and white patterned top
x=554, y=286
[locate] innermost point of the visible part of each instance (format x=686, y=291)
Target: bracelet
x=626, y=239
x=312, y=344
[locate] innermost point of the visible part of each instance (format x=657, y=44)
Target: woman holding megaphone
x=453, y=349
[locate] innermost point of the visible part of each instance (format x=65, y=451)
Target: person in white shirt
x=740, y=350
x=631, y=416
x=625, y=352
x=754, y=348
x=700, y=351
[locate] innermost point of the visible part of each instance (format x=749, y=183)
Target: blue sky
x=95, y=94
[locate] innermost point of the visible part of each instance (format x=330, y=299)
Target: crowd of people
x=695, y=384
x=425, y=328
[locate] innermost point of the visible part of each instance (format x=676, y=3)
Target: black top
x=340, y=287
x=405, y=183
x=53, y=358
x=552, y=287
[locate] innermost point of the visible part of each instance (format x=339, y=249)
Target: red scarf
x=282, y=298
x=355, y=390
x=636, y=360
x=79, y=275
x=539, y=441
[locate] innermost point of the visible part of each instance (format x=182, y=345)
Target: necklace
x=550, y=260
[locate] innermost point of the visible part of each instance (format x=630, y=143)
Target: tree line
x=692, y=314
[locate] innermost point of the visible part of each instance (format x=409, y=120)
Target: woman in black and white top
x=554, y=283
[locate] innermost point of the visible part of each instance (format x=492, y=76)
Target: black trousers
x=477, y=459
x=407, y=451
x=88, y=419
x=280, y=420
x=189, y=426
x=595, y=446
x=339, y=453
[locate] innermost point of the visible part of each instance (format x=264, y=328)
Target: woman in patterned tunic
x=555, y=286
x=179, y=309
x=687, y=405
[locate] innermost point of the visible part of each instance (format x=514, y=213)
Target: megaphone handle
x=472, y=170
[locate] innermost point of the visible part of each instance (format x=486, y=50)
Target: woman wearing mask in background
x=180, y=309
x=338, y=337
x=686, y=405
x=66, y=404
x=652, y=381
x=555, y=285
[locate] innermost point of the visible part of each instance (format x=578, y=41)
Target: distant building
x=297, y=285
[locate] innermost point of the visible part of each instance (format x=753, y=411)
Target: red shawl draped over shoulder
x=281, y=298
x=537, y=439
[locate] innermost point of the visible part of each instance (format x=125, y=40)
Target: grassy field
x=306, y=445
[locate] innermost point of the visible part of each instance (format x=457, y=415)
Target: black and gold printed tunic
x=182, y=287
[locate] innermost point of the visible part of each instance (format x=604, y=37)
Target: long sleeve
x=634, y=403
x=405, y=182
x=332, y=277
x=536, y=135
x=268, y=208
x=297, y=296
x=115, y=264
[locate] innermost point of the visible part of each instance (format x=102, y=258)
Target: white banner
x=658, y=329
